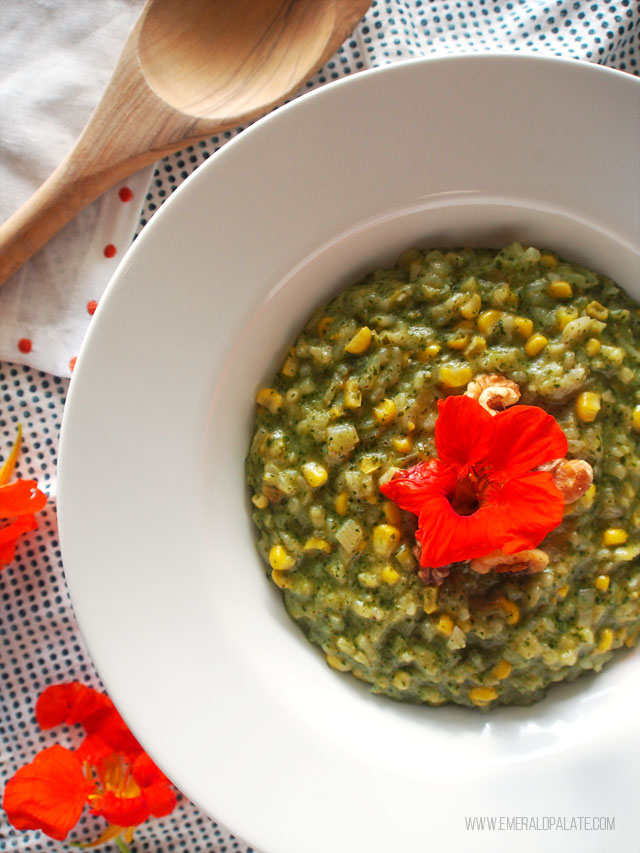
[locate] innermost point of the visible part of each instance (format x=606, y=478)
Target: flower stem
x=122, y=847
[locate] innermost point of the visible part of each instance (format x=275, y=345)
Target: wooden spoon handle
x=54, y=203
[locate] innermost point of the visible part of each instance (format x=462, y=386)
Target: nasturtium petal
x=122, y=811
x=146, y=773
x=523, y=438
x=47, y=794
x=161, y=800
x=410, y=488
x=463, y=431
x=532, y=506
x=69, y=703
x=10, y=534
x=446, y=537
x=20, y=498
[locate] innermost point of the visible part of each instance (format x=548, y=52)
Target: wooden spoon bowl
x=186, y=72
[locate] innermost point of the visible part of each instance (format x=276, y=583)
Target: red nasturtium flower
x=109, y=771
x=483, y=493
x=18, y=503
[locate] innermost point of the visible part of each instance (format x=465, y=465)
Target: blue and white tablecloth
x=46, y=309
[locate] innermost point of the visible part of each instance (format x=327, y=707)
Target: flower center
x=464, y=500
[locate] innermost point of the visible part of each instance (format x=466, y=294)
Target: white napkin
x=55, y=61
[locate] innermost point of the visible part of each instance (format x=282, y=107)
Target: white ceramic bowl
x=191, y=640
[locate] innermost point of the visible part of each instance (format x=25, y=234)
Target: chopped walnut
x=530, y=562
x=495, y=393
x=571, y=476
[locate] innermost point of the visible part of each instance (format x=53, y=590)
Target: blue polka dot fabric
x=39, y=639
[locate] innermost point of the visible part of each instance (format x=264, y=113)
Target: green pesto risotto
x=356, y=400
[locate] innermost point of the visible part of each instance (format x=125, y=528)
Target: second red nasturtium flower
x=109, y=771
x=483, y=493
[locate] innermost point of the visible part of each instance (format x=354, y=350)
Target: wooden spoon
x=186, y=72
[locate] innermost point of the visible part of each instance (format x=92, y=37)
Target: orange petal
x=123, y=811
x=446, y=537
x=146, y=773
x=523, y=438
x=47, y=794
x=69, y=703
x=532, y=506
x=160, y=799
x=10, y=534
x=93, y=749
x=20, y=498
x=409, y=489
x=112, y=729
x=463, y=431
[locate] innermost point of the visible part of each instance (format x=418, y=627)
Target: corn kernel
x=455, y=376
x=430, y=599
x=385, y=411
x=385, y=539
x=564, y=315
x=592, y=346
x=314, y=543
x=323, y=325
x=290, y=366
x=535, y=344
x=560, y=290
x=282, y=579
x=510, y=608
x=605, y=640
x=402, y=443
x=523, y=326
x=602, y=582
x=465, y=325
x=471, y=307
x=614, y=536
x=429, y=352
x=369, y=464
x=615, y=355
x=458, y=342
x=482, y=695
x=335, y=663
x=588, y=406
x=352, y=395
x=597, y=311
x=389, y=575
x=280, y=559
x=562, y=591
x=411, y=426
x=392, y=513
x=341, y=503
x=260, y=501
x=488, y=320
x=315, y=474
x=477, y=345
x=360, y=341
x=270, y=399
x=635, y=417
x=402, y=680
x=502, y=669
x=548, y=261
x=445, y=625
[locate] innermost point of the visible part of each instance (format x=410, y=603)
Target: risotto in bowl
x=445, y=471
